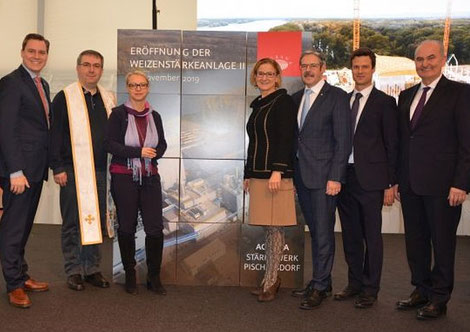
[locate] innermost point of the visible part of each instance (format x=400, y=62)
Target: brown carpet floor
x=222, y=308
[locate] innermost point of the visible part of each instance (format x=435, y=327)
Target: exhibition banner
x=199, y=83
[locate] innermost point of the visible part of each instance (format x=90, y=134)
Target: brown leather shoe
x=35, y=286
x=270, y=293
x=18, y=298
x=257, y=291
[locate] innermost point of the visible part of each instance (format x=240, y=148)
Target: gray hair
x=432, y=41
x=313, y=52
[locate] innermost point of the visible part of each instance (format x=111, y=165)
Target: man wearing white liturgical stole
x=79, y=163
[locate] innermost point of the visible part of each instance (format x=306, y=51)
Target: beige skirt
x=268, y=209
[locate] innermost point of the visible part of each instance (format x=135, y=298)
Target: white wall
x=71, y=27
x=12, y=32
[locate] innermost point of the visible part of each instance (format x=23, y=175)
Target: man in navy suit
x=24, y=138
x=323, y=147
x=433, y=177
x=370, y=178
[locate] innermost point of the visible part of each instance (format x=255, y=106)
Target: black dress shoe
x=314, y=300
x=346, y=293
x=75, y=282
x=415, y=300
x=303, y=292
x=308, y=290
x=364, y=301
x=154, y=284
x=431, y=311
x=97, y=280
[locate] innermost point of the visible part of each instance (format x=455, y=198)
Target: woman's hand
x=274, y=183
x=149, y=153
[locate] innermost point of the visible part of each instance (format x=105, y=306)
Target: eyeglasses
x=269, y=74
x=88, y=65
x=137, y=85
x=310, y=65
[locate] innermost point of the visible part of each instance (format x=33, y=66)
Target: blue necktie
x=305, y=107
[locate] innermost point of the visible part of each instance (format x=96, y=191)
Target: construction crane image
x=445, y=40
x=356, y=26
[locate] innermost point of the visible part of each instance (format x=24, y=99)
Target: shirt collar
x=432, y=85
x=364, y=92
x=32, y=74
x=317, y=87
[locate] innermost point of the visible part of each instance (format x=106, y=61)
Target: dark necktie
x=419, y=108
x=40, y=88
x=354, y=111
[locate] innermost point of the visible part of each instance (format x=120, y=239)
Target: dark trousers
x=360, y=212
x=130, y=197
x=319, y=213
x=430, y=228
x=79, y=259
x=15, y=226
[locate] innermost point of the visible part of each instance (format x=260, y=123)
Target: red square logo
x=284, y=47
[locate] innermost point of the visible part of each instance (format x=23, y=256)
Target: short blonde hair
x=138, y=73
x=263, y=61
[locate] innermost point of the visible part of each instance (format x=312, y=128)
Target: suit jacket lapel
x=435, y=96
x=34, y=90
x=367, y=107
x=408, y=104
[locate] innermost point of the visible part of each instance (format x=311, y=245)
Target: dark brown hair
x=363, y=51
x=34, y=36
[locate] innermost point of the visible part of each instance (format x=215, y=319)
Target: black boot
x=154, y=251
x=127, y=249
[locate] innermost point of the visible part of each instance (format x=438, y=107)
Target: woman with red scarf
x=136, y=140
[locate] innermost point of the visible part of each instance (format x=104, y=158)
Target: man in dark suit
x=323, y=147
x=370, y=178
x=24, y=138
x=433, y=177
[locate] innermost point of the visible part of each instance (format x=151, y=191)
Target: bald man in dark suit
x=433, y=178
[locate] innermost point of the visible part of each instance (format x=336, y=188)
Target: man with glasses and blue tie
x=79, y=163
x=323, y=147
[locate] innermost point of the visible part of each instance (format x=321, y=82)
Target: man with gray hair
x=323, y=147
x=79, y=162
x=433, y=177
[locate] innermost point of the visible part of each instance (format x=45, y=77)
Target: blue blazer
x=24, y=135
x=323, y=144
